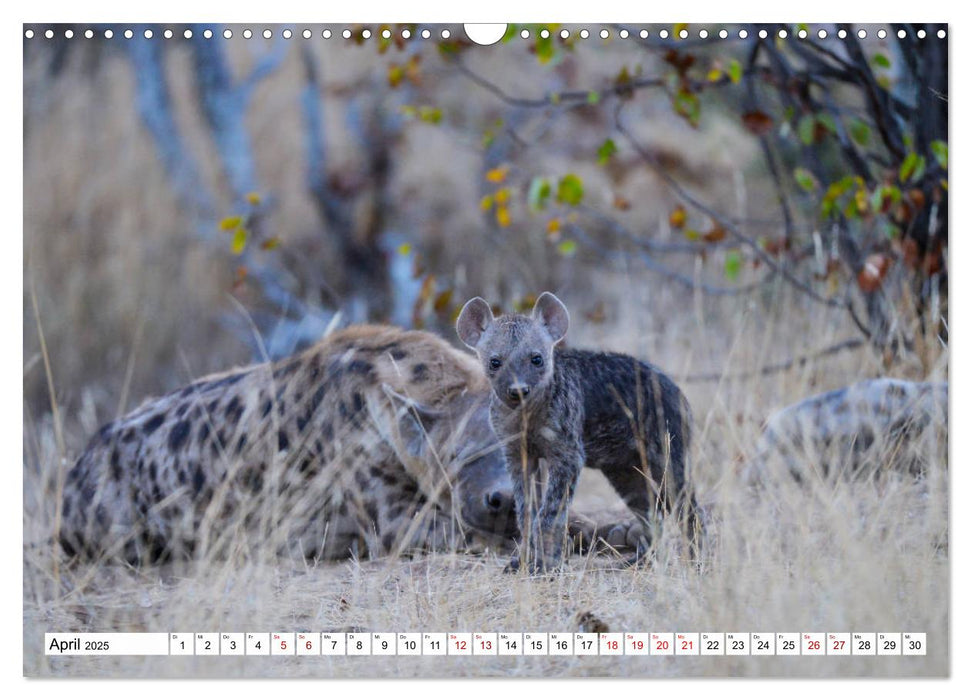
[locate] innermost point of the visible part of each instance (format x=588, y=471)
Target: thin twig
x=651, y=264
x=722, y=220
x=775, y=368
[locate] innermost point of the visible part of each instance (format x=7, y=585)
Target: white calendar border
x=12, y=650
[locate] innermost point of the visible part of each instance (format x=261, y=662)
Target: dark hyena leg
x=524, y=473
x=648, y=501
x=643, y=497
x=564, y=472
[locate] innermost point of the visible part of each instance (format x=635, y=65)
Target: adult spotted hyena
x=374, y=441
x=858, y=431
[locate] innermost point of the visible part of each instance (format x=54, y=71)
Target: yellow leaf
x=404, y=249
x=502, y=216
x=230, y=223
x=553, y=225
x=502, y=196
x=270, y=243
x=485, y=204
x=239, y=240
x=678, y=217
x=498, y=175
x=714, y=75
x=254, y=198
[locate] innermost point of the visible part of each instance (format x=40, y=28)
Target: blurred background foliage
x=194, y=202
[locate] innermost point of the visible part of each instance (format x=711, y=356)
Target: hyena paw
x=536, y=566
x=618, y=536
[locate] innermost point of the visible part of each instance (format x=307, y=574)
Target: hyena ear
x=413, y=421
x=552, y=313
x=475, y=318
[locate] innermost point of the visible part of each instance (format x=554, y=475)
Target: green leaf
x=606, y=150
x=593, y=97
x=827, y=121
x=539, y=193
x=807, y=129
x=860, y=132
x=239, y=240
x=735, y=71
x=884, y=197
x=939, y=149
x=733, y=265
x=569, y=190
x=545, y=49
x=912, y=168
x=880, y=60
x=688, y=106
x=805, y=179
x=512, y=31
x=432, y=115
x=567, y=248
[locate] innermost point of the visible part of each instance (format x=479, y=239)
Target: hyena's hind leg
x=650, y=502
x=614, y=534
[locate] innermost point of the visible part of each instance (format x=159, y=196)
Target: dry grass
x=129, y=306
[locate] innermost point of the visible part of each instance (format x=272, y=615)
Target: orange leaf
x=621, y=203
x=757, y=122
x=442, y=300
x=678, y=217
x=716, y=234
x=874, y=270
x=911, y=253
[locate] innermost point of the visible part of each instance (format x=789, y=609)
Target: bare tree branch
x=775, y=368
x=654, y=266
x=722, y=220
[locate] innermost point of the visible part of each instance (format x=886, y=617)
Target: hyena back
x=865, y=429
x=374, y=440
x=572, y=408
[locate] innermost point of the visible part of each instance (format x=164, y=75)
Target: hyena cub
x=573, y=408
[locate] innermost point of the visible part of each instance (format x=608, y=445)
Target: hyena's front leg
x=551, y=521
x=523, y=472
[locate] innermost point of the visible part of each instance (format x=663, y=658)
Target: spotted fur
x=367, y=442
x=866, y=428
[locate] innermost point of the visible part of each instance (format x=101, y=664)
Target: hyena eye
x=538, y=360
x=495, y=363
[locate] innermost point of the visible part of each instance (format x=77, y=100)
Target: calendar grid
x=493, y=644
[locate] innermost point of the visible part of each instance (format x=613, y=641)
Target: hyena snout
x=498, y=502
x=486, y=497
x=517, y=393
